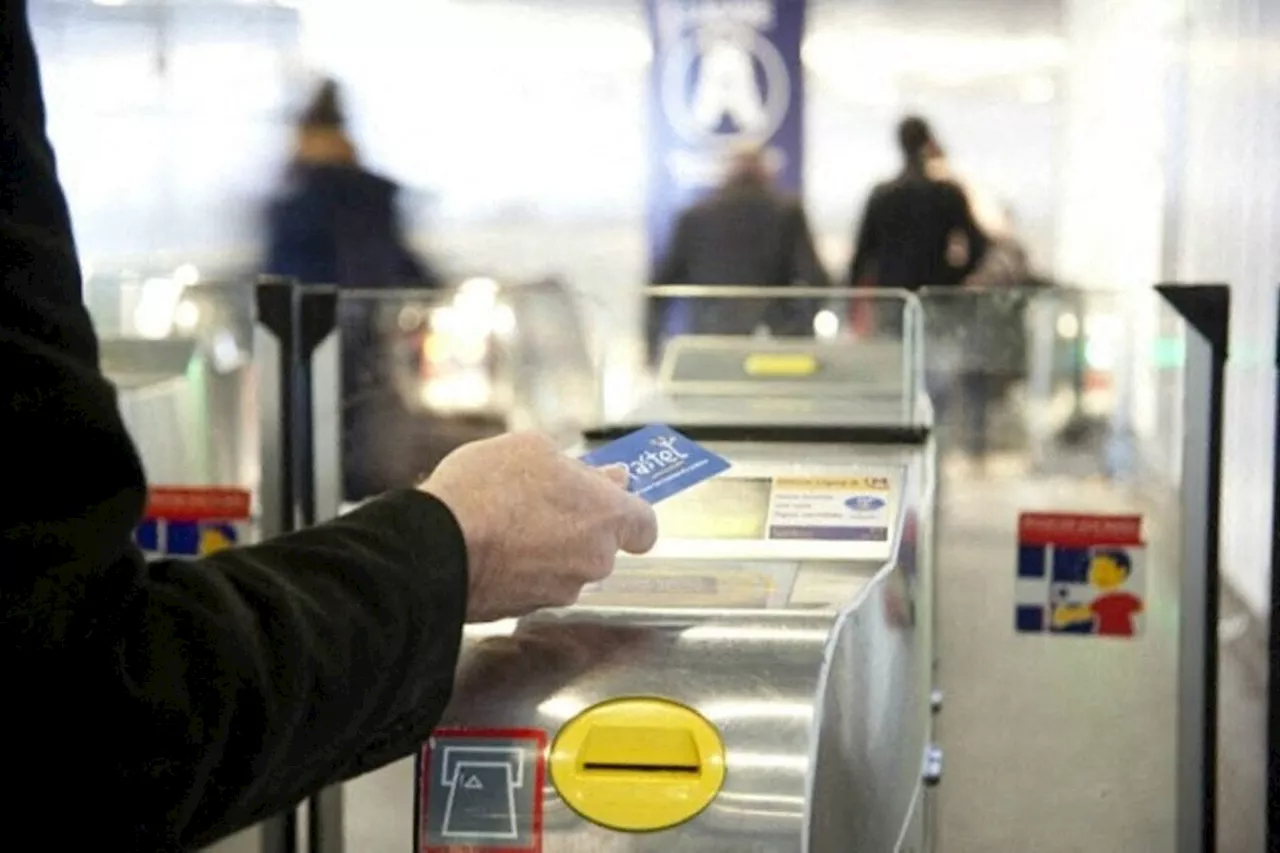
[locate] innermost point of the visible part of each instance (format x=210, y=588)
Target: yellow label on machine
x=638, y=765
x=775, y=364
x=873, y=482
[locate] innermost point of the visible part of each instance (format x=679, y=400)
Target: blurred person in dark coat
x=336, y=223
x=746, y=233
x=918, y=229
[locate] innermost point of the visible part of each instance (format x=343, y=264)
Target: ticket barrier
x=761, y=681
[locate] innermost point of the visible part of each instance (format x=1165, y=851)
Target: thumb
x=639, y=529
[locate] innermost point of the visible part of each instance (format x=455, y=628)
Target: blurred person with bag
x=918, y=229
x=990, y=356
x=336, y=223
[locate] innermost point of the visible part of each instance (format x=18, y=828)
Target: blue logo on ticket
x=661, y=461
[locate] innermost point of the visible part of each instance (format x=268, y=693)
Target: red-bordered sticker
x=1080, y=575
x=481, y=790
x=196, y=503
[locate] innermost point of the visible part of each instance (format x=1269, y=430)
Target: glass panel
x=423, y=371
x=181, y=356
x=1061, y=416
x=746, y=355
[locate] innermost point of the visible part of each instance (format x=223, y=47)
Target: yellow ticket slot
x=638, y=765
x=780, y=364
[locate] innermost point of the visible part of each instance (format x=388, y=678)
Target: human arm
x=204, y=695
x=160, y=706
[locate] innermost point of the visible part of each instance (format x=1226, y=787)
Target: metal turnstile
x=761, y=681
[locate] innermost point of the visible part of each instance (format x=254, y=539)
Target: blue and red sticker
x=192, y=521
x=1080, y=574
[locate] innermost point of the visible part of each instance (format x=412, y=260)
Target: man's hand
x=538, y=524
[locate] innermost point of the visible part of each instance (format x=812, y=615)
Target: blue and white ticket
x=660, y=461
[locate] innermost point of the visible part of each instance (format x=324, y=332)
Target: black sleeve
x=160, y=706
x=864, y=242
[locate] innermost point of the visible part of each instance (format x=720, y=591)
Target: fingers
x=638, y=526
x=637, y=523
x=616, y=474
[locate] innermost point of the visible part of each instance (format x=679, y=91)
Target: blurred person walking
x=745, y=233
x=335, y=222
x=919, y=230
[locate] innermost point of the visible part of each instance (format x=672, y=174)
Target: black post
x=317, y=318
x=277, y=312
x=317, y=313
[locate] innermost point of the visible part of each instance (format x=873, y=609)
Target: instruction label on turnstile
x=192, y=521
x=849, y=509
x=1080, y=574
x=481, y=790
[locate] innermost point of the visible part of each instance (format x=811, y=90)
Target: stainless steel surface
x=823, y=705
x=818, y=713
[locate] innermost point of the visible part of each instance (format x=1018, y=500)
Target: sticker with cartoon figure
x=1080, y=574
x=195, y=521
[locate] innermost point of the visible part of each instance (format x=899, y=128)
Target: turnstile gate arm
x=1206, y=310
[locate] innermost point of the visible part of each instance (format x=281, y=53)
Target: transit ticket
x=660, y=461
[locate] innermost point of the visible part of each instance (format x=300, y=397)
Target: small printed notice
x=1080, y=574
x=482, y=790
x=831, y=509
x=192, y=521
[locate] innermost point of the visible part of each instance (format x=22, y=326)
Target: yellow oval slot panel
x=780, y=364
x=638, y=765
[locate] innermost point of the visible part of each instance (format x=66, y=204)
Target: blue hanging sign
x=725, y=73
